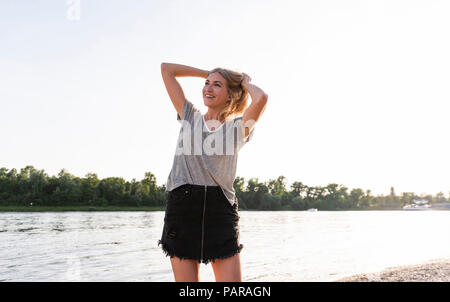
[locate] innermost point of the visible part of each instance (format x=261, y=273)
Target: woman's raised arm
x=257, y=107
x=169, y=73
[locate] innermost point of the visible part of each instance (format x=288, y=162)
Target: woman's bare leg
x=228, y=269
x=185, y=270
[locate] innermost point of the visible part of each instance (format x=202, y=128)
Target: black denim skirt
x=200, y=224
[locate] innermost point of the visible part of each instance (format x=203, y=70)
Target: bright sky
x=358, y=90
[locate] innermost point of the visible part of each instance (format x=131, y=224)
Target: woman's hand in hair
x=245, y=81
x=255, y=92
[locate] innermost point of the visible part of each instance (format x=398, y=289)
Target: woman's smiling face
x=215, y=86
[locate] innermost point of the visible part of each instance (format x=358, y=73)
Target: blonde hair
x=239, y=97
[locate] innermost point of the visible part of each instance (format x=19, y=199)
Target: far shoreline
x=87, y=208
x=23, y=209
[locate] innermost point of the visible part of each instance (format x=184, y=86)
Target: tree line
x=34, y=187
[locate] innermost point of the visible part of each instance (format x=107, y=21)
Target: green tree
x=440, y=198
x=298, y=204
x=406, y=198
x=239, y=185
x=38, y=180
x=298, y=188
x=255, y=193
x=356, y=198
x=112, y=189
x=277, y=186
x=392, y=199
x=89, y=185
x=270, y=202
x=364, y=202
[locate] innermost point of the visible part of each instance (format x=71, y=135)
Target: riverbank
x=144, y=208
x=122, y=208
x=76, y=208
x=437, y=270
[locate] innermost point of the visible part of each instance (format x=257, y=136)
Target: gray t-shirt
x=205, y=157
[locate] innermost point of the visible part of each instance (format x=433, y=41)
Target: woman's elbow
x=264, y=97
x=166, y=68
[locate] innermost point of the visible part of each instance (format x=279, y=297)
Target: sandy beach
x=437, y=270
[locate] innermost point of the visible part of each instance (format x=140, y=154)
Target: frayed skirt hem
x=171, y=253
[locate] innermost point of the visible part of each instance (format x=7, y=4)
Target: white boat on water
x=311, y=210
x=417, y=207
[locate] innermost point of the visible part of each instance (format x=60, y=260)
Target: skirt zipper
x=203, y=224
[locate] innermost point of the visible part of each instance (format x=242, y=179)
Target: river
x=278, y=246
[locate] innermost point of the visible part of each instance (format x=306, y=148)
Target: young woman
x=201, y=218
